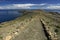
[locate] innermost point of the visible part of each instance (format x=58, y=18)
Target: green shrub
x=1, y=37
x=0, y=26
x=56, y=30
x=31, y=17
x=57, y=26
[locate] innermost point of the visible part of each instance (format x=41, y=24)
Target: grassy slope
x=52, y=21
x=10, y=27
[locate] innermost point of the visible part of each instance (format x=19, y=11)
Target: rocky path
x=34, y=31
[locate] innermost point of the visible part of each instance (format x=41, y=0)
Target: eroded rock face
x=51, y=22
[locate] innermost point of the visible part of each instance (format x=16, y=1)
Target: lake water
x=7, y=15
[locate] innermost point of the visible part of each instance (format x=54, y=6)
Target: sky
x=29, y=4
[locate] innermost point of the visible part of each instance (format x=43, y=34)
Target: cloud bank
x=16, y=6
x=31, y=6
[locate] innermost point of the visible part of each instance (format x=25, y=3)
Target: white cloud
x=1, y=8
x=29, y=6
x=53, y=7
x=23, y=5
x=50, y=6
x=16, y=6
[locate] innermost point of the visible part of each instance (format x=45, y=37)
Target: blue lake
x=7, y=15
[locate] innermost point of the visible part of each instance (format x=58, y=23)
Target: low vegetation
x=51, y=20
x=1, y=37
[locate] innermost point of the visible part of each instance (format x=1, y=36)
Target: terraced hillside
x=33, y=25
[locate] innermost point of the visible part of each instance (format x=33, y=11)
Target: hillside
x=33, y=25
